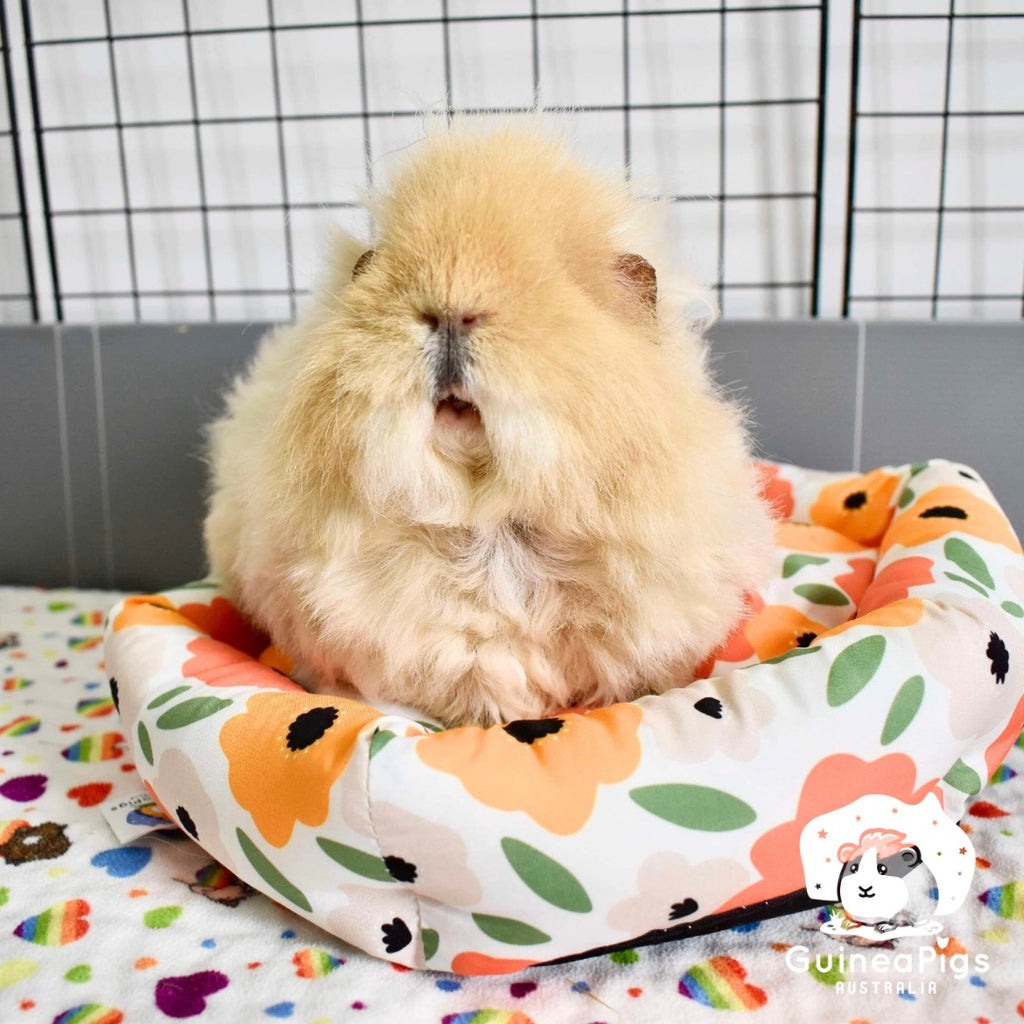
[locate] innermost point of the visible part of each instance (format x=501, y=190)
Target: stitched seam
x=417, y=935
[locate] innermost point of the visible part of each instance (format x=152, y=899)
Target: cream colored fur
x=590, y=541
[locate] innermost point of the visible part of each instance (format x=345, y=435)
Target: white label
x=135, y=815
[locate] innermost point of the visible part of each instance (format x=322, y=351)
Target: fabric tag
x=135, y=815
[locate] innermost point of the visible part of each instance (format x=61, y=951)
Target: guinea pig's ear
x=911, y=856
x=639, y=276
x=362, y=263
x=846, y=852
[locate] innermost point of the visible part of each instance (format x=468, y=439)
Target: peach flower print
x=550, y=768
x=833, y=782
x=285, y=751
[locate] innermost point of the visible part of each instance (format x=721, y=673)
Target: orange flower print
x=273, y=657
x=285, y=752
x=550, y=768
x=833, y=782
x=219, y=619
x=735, y=648
x=218, y=664
x=807, y=538
x=223, y=621
x=949, y=509
x=776, y=491
x=893, y=583
x=898, y=613
x=858, y=579
x=779, y=628
x=480, y=963
x=859, y=507
x=151, y=610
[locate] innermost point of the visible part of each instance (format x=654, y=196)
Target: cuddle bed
x=883, y=658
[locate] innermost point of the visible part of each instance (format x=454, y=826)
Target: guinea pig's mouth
x=455, y=409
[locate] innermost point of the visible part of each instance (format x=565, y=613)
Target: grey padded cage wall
x=143, y=261
x=36, y=286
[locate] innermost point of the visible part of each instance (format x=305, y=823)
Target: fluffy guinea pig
x=487, y=474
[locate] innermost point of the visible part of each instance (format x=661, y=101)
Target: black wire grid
x=363, y=18
x=928, y=214
x=18, y=285
x=274, y=26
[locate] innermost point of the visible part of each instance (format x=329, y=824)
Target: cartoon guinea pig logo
x=884, y=881
x=891, y=866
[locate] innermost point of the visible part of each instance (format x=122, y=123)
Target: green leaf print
x=510, y=931
x=853, y=669
x=165, y=697
x=145, y=744
x=189, y=711
x=366, y=864
x=963, y=777
x=380, y=739
x=794, y=563
x=269, y=873
x=546, y=877
x=796, y=652
x=696, y=807
x=821, y=593
x=904, y=706
x=962, y=555
x=957, y=578
x=431, y=940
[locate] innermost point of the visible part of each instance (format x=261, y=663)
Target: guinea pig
x=487, y=474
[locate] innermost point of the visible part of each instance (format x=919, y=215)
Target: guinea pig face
x=873, y=890
x=440, y=321
x=485, y=361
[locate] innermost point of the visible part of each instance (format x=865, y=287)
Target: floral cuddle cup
x=885, y=656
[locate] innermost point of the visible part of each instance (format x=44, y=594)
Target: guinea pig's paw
x=504, y=683
x=499, y=666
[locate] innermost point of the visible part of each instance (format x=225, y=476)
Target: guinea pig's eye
x=853, y=868
x=882, y=869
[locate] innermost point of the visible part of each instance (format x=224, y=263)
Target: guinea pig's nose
x=456, y=322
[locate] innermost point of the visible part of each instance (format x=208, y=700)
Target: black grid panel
x=18, y=300
x=935, y=206
x=180, y=159
x=190, y=152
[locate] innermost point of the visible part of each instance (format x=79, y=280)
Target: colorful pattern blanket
x=95, y=929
